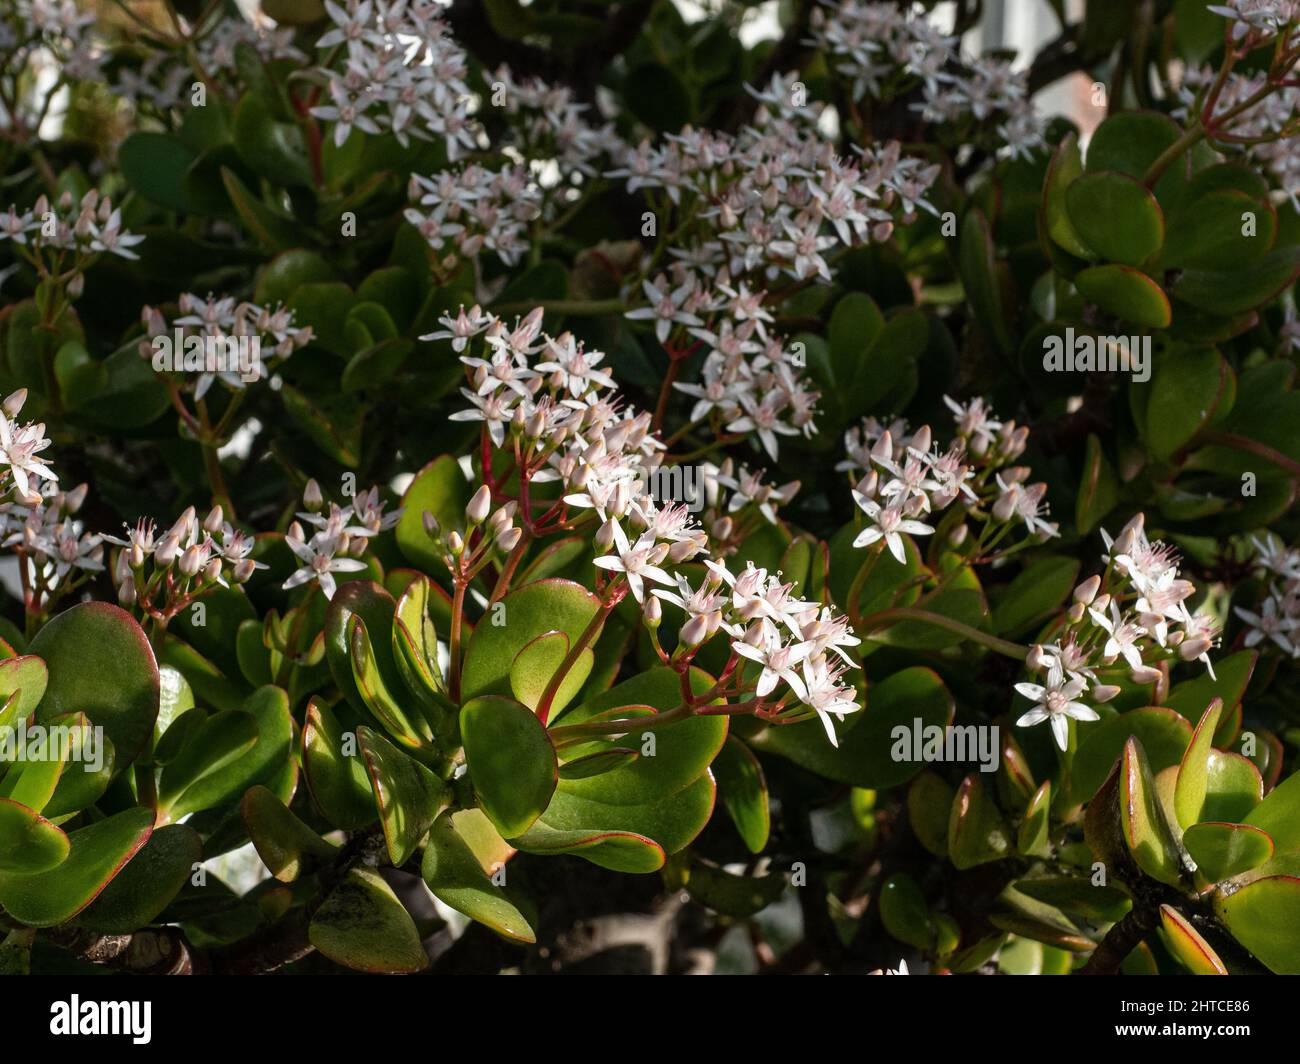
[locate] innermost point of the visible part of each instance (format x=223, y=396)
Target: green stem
x=887, y=618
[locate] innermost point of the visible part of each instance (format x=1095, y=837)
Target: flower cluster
x=56, y=554
x=1266, y=128
x=550, y=129
x=161, y=574
x=906, y=479
x=888, y=48
x=1277, y=618
x=62, y=239
x=339, y=538
x=1261, y=18
x=1130, y=619
x=53, y=33
x=463, y=212
x=751, y=383
x=545, y=400
x=163, y=78
x=220, y=338
x=401, y=73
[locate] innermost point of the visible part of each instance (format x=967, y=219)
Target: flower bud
x=167, y=550
x=126, y=595
x=243, y=570
x=1144, y=674
x=75, y=498
x=1075, y=612
x=312, y=498
x=191, y=561
x=509, y=539
x=1034, y=660
x=212, y=523
x=1104, y=692
x=479, y=505
x=653, y=611
x=1087, y=591
x=605, y=535
x=694, y=631
x=431, y=526
x=14, y=402
x=1190, y=649
x=212, y=571
x=455, y=543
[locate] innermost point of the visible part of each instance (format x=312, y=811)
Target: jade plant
x=486, y=484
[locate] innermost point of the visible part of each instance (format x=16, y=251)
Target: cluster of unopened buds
x=1130, y=620
x=487, y=534
x=464, y=212
x=161, y=573
x=1277, y=617
x=887, y=48
x=339, y=538
x=907, y=479
x=220, y=339
x=47, y=234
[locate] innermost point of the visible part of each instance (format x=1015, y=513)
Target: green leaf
x=28, y=842
x=376, y=676
x=26, y=676
x=620, y=851
x=1145, y=830
x=1264, y=916
x=1127, y=293
x=273, y=230
x=1194, y=771
x=656, y=96
x=286, y=845
x=1208, y=232
x=148, y=883
x=1066, y=167
x=1078, y=896
x=463, y=854
x=904, y=913
x=1164, y=735
x=1279, y=814
x=1223, y=850
x=1228, y=292
x=281, y=278
x=1117, y=216
x=1130, y=141
x=537, y=663
x=868, y=740
x=361, y=925
x=511, y=761
x=1032, y=835
x=441, y=489
x=977, y=833
x=929, y=802
x=673, y=822
x=1234, y=788
x=979, y=276
x=216, y=742
x=682, y=750
x=1187, y=945
x=269, y=707
x=101, y=663
x=337, y=780
x=738, y=896
x=743, y=789
x=98, y=853
x=155, y=164
x=1186, y=393
x=1036, y=593
x=1098, y=490
x=1231, y=675
x=409, y=796
x=529, y=611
